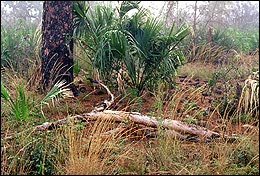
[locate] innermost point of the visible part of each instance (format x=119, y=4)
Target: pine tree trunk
x=57, y=43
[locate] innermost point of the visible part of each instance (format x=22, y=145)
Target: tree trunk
x=194, y=30
x=57, y=44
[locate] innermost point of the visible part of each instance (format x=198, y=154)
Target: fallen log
x=136, y=117
x=174, y=128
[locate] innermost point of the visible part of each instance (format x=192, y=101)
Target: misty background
x=238, y=14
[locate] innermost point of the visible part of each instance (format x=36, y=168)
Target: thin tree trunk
x=57, y=44
x=194, y=30
x=170, y=5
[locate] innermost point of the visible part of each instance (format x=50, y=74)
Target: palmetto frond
x=126, y=6
x=59, y=90
x=137, y=44
x=21, y=106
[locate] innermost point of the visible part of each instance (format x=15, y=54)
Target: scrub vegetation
x=202, y=70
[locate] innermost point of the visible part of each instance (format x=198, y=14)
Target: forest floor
x=196, y=98
x=195, y=101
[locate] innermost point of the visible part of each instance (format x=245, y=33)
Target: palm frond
x=59, y=90
x=126, y=6
x=137, y=44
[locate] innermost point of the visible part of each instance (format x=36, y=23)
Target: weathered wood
x=175, y=128
x=136, y=117
x=104, y=105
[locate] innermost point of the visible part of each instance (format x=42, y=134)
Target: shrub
x=22, y=105
x=136, y=44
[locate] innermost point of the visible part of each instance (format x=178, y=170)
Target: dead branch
x=104, y=105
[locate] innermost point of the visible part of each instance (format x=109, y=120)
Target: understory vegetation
x=165, y=74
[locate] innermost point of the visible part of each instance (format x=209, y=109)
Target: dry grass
x=197, y=70
x=91, y=153
x=162, y=155
x=86, y=148
x=83, y=149
x=240, y=66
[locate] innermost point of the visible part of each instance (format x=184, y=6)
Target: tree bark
x=57, y=43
